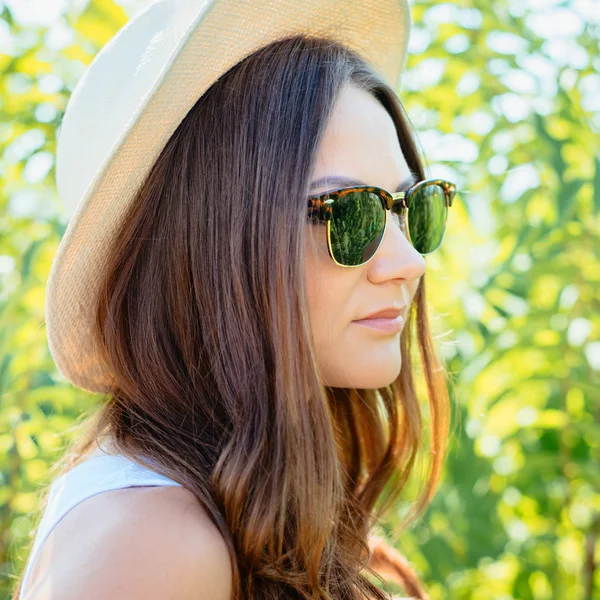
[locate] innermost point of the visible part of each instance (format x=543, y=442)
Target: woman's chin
x=371, y=376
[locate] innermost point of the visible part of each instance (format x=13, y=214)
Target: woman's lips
x=385, y=324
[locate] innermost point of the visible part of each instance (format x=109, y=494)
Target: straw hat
x=133, y=96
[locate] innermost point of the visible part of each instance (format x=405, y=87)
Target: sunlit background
x=505, y=97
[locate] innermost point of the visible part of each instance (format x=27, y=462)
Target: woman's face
x=361, y=143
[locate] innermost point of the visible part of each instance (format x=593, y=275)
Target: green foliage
x=504, y=96
x=515, y=287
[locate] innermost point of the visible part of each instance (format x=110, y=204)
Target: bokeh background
x=505, y=97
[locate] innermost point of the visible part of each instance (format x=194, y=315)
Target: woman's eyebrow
x=341, y=181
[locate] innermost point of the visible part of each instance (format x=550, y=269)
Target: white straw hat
x=130, y=100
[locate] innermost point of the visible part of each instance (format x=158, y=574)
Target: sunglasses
x=357, y=218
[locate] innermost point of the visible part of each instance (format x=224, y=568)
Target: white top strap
x=100, y=472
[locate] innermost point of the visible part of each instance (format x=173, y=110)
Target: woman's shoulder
x=153, y=542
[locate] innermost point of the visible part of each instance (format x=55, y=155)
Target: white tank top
x=102, y=471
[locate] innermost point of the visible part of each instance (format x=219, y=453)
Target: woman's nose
x=396, y=257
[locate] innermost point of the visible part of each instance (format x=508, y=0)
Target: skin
x=361, y=142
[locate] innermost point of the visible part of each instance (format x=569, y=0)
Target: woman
x=262, y=398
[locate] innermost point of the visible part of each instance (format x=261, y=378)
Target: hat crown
x=114, y=90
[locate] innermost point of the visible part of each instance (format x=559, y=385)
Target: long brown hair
x=203, y=319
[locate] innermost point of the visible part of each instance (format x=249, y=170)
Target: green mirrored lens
x=356, y=227
x=427, y=218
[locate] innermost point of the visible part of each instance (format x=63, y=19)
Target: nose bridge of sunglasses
x=396, y=202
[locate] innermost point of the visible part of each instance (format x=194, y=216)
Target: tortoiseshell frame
x=319, y=205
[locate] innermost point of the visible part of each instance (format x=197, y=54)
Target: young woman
x=257, y=311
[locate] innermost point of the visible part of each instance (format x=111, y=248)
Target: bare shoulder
x=134, y=543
